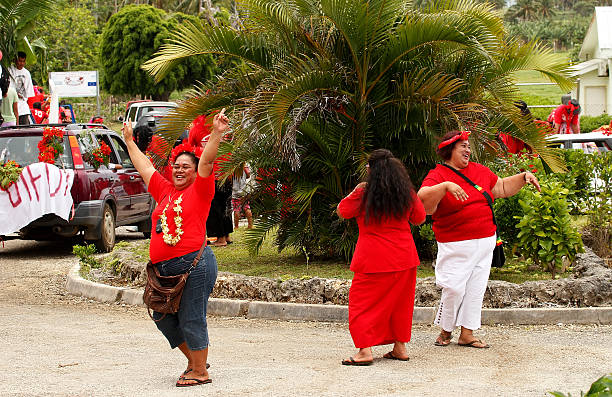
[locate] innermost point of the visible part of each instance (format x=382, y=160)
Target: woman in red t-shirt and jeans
x=178, y=232
x=381, y=298
x=465, y=232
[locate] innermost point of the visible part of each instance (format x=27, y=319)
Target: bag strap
x=475, y=186
x=197, y=258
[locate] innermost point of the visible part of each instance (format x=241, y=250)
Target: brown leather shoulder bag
x=163, y=293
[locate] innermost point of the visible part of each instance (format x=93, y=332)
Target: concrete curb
x=76, y=285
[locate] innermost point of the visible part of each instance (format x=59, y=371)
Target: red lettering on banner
x=13, y=203
x=32, y=181
x=53, y=194
x=22, y=179
x=67, y=179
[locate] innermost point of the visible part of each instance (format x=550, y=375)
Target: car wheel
x=107, y=229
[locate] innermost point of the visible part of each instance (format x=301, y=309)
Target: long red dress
x=381, y=298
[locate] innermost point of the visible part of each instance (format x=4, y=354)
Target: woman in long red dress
x=381, y=298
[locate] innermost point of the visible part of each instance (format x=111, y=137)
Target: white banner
x=41, y=189
x=75, y=84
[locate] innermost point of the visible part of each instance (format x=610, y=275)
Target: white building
x=594, y=88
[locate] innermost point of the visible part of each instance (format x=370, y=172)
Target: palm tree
x=526, y=10
x=17, y=18
x=546, y=8
x=323, y=82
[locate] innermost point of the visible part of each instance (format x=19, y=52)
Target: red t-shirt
x=562, y=115
x=195, y=207
x=385, y=246
x=39, y=115
x=472, y=219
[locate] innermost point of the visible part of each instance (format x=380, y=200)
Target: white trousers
x=462, y=270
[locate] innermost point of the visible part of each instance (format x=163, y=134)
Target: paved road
x=54, y=344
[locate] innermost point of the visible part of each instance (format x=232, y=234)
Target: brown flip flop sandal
x=351, y=361
x=391, y=356
x=442, y=340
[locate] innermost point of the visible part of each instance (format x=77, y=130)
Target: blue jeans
x=189, y=323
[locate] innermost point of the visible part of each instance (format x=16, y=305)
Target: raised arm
x=220, y=124
x=509, y=186
x=142, y=163
x=431, y=195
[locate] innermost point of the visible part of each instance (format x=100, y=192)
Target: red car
x=103, y=199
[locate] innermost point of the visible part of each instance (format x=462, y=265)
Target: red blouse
x=472, y=219
x=195, y=207
x=382, y=246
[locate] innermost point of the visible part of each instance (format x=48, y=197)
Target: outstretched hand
x=220, y=122
x=128, y=132
x=531, y=179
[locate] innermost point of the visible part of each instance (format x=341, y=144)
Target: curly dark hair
x=445, y=152
x=389, y=190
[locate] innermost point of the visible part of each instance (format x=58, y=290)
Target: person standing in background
x=8, y=107
x=565, y=119
x=21, y=81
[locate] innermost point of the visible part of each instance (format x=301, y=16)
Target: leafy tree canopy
x=129, y=38
x=17, y=19
x=71, y=37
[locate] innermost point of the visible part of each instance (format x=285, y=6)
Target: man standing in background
x=21, y=81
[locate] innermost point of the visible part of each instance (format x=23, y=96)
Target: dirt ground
x=55, y=344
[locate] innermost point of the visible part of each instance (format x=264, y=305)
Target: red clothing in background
x=471, y=219
x=382, y=246
x=513, y=144
x=195, y=207
x=39, y=115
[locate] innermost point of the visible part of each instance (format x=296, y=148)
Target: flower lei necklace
x=178, y=222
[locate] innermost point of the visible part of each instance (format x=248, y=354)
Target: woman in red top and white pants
x=465, y=232
x=381, y=298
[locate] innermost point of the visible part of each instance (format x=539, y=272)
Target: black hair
x=4, y=83
x=389, y=190
x=143, y=135
x=576, y=105
x=446, y=151
x=21, y=54
x=522, y=106
x=36, y=105
x=192, y=156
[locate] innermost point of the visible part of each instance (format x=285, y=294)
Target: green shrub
x=590, y=123
x=425, y=240
x=85, y=254
x=599, y=205
x=546, y=234
x=602, y=387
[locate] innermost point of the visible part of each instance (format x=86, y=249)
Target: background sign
x=75, y=84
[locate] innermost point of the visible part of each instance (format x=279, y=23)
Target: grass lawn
x=539, y=94
x=290, y=265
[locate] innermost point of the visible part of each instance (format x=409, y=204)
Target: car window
x=124, y=157
x=131, y=115
x=86, y=145
x=24, y=150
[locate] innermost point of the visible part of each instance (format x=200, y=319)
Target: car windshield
x=153, y=108
x=24, y=150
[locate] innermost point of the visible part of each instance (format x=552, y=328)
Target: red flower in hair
x=200, y=128
x=463, y=135
x=185, y=147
